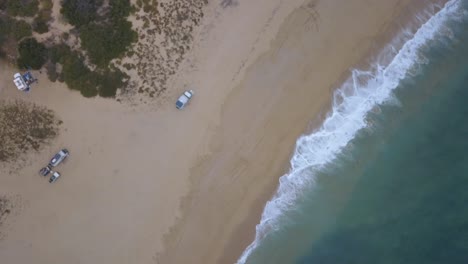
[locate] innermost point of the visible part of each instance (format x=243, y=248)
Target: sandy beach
x=151, y=184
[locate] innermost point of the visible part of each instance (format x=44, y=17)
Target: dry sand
x=262, y=71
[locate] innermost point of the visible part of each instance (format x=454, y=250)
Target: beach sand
x=146, y=184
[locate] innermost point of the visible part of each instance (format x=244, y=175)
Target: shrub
x=88, y=85
x=76, y=75
x=41, y=27
x=41, y=20
x=27, y=8
x=4, y=30
x=80, y=12
x=79, y=77
x=120, y=9
x=111, y=36
x=31, y=54
x=24, y=127
x=52, y=71
x=104, y=42
x=20, y=29
x=59, y=53
x=110, y=82
x=3, y=4
x=47, y=4
x=12, y=28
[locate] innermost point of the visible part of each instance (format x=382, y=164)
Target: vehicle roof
x=63, y=151
x=183, y=99
x=19, y=82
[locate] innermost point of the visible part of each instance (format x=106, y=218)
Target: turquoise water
x=398, y=191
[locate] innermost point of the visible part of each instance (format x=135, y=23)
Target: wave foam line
x=361, y=92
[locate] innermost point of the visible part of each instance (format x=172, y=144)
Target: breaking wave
x=358, y=95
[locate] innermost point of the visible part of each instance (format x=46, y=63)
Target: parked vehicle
x=184, y=99
x=54, y=177
x=45, y=171
x=59, y=157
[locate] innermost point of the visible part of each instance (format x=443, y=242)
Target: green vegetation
x=43, y=17
x=12, y=28
x=80, y=12
x=47, y=4
x=79, y=77
x=120, y=9
x=4, y=35
x=104, y=37
x=104, y=42
x=76, y=75
x=40, y=26
x=104, y=32
x=110, y=81
x=22, y=8
x=20, y=29
x=51, y=69
x=31, y=54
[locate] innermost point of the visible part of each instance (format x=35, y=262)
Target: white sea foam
x=363, y=91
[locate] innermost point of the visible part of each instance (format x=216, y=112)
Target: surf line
x=351, y=103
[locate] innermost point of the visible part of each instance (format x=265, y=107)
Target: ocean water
x=385, y=178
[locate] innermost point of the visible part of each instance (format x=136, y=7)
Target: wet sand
x=285, y=93
x=148, y=184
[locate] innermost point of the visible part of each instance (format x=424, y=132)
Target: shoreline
x=149, y=183
x=244, y=233
x=194, y=224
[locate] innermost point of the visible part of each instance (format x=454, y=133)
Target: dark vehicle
x=45, y=171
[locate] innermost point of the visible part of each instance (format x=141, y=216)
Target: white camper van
x=20, y=83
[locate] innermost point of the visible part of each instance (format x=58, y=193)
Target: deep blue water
x=398, y=193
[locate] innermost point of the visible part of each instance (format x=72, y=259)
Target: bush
x=31, y=54
x=20, y=29
x=76, y=75
x=47, y=4
x=110, y=82
x=24, y=127
x=80, y=12
x=104, y=42
x=79, y=77
x=23, y=8
x=88, y=85
x=58, y=53
x=120, y=9
x=52, y=71
x=109, y=37
x=3, y=4
x=12, y=28
x=41, y=27
x=4, y=30
x=40, y=22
